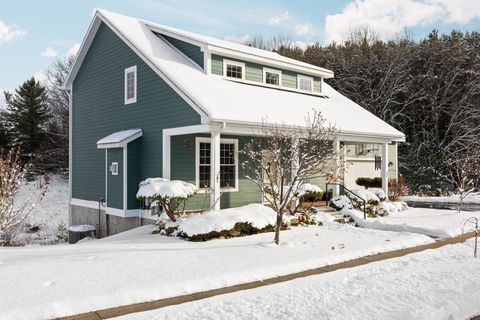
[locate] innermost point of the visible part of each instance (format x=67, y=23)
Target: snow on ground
x=433, y=284
x=136, y=266
x=430, y=222
x=48, y=214
x=473, y=198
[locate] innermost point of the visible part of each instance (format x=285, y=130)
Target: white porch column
x=295, y=160
x=166, y=158
x=215, y=170
x=385, y=168
x=336, y=168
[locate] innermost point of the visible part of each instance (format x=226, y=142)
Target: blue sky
x=35, y=33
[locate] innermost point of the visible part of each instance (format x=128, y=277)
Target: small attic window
x=131, y=85
x=272, y=77
x=233, y=69
x=304, y=83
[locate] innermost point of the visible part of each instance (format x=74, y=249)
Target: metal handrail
x=350, y=191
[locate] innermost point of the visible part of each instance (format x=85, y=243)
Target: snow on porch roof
x=119, y=139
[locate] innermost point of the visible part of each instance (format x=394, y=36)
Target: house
x=148, y=100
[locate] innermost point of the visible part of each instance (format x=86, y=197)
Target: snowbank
x=55, y=281
x=473, y=198
x=161, y=187
x=430, y=222
x=258, y=215
x=416, y=286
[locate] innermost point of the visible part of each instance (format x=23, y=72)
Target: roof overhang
x=119, y=139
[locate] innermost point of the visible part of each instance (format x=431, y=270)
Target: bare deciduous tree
x=279, y=159
x=11, y=176
x=464, y=168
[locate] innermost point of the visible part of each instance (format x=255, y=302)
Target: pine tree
x=27, y=115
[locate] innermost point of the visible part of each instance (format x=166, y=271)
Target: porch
x=227, y=187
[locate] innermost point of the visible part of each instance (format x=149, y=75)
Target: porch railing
x=345, y=191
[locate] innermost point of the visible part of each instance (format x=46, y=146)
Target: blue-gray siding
x=99, y=110
x=188, y=49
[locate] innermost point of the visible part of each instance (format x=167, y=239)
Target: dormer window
x=131, y=85
x=272, y=77
x=233, y=69
x=304, y=83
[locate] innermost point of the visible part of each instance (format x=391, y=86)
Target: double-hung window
x=228, y=163
x=233, y=69
x=272, y=77
x=304, y=83
x=131, y=85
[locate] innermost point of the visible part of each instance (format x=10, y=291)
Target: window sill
x=227, y=190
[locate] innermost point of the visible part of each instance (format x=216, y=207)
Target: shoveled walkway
x=145, y=306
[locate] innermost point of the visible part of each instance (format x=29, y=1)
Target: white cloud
x=10, y=32
x=239, y=39
x=50, y=52
x=73, y=49
x=390, y=17
x=304, y=29
x=277, y=20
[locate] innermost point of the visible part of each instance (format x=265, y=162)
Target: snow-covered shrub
x=309, y=192
x=171, y=194
x=365, y=194
x=387, y=207
x=234, y=222
x=340, y=203
x=382, y=196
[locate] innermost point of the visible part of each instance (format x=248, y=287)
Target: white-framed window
x=233, y=69
x=272, y=77
x=114, y=168
x=131, y=85
x=228, y=163
x=304, y=83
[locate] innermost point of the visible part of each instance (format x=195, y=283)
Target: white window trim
x=127, y=71
x=299, y=76
x=279, y=72
x=233, y=63
x=199, y=140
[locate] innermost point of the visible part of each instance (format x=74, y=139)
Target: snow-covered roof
x=119, y=139
x=219, y=100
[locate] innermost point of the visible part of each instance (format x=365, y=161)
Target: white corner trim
x=132, y=69
x=106, y=178
x=70, y=151
x=125, y=177
x=269, y=70
x=233, y=63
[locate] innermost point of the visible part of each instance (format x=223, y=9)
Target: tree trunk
x=277, y=228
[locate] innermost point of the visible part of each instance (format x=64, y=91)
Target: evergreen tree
x=27, y=115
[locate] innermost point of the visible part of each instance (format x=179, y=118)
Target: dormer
x=240, y=63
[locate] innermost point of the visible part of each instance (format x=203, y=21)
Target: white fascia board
x=200, y=128
x=315, y=71
x=252, y=128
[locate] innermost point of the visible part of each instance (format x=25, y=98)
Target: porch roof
x=119, y=139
